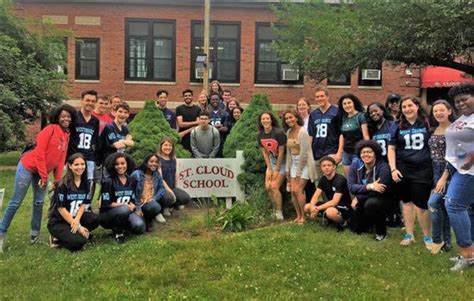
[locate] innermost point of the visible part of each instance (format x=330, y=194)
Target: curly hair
x=461, y=89
x=54, y=118
x=373, y=145
x=110, y=164
x=272, y=117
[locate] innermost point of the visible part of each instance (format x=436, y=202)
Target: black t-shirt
x=272, y=141
x=113, y=191
x=109, y=136
x=337, y=184
x=84, y=137
x=70, y=197
x=189, y=113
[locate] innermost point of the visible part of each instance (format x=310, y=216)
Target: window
x=150, y=50
x=224, y=51
x=269, y=69
x=370, y=74
x=341, y=80
x=87, y=59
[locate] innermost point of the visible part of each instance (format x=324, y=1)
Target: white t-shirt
x=460, y=132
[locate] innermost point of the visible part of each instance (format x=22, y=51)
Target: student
x=323, y=129
x=187, y=116
x=353, y=127
x=173, y=195
x=116, y=136
x=369, y=185
x=215, y=87
x=410, y=166
x=101, y=112
x=226, y=98
x=150, y=189
x=303, y=107
x=85, y=135
x=443, y=115
x=219, y=119
x=334, y=186
x=272, y=139
x=235, y=115
x=48, y=155
x=205, y=140
x=120, y=210
x=69, y=223
x=393, y=105
x=114, y=101
x=203, y=102
x=161, y=102
x=233, y=104
x=299, y=161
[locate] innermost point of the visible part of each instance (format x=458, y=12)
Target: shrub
x=148, y=128
x=244, y=137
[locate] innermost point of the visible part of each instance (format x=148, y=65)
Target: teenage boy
x=116, y=137
x=205, y=139
x=187, y=118
x=84, y=135
x=219, y=118
x=161, y=104
x=102, y=112
x=114, y=101
x=226, y=97
x=334, y=186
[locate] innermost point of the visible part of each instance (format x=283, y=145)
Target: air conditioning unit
x=199, y=73
x=290, y=74
x=371, y=74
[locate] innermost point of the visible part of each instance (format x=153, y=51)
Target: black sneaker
x=380, y=237
x=34, y=239
x=53, y=242
x=119, y=238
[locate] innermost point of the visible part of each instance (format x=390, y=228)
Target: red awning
x=439, y=77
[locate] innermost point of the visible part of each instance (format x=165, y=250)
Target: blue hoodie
x=357, y=183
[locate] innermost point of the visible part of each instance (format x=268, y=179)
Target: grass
x=9, y=158
x=186, y=259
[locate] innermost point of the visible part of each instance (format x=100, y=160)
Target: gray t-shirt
x=205, y=143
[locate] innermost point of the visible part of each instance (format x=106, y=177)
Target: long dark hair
x=299, y=120
x=448, y=106
x=69, y=176
x=422, y=118
x=275, y=123
x=340, y=111
x=372, y=125
x=110, y=164
x=144, y=166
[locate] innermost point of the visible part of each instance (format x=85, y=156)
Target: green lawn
x=187, y=259
x=9, y=158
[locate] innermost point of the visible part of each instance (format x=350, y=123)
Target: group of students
x=390, y=153
x=92, y=142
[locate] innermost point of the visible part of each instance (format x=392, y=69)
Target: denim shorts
x=282, y=170
x=347, y=158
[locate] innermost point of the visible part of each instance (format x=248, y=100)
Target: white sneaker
x=2, y=243
x=181, y=207
x=279, y=215
x=160, y=218
x=167, y=212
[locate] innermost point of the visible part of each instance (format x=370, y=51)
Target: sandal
x=428, y=242
x=407, y=240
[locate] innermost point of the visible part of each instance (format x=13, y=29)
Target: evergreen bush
x=243, y=136
x=148, y=128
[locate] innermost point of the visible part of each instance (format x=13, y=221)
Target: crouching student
x=338, y=207
x=150, y=189
x=120, y=210
x=69, y=224
x=369, y=182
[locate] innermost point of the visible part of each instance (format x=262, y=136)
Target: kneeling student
x=338, y=207
x=120, y=210
x=68, y=223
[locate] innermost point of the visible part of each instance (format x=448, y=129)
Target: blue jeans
x=439, y=216
x=459, y=198
x=23, y=179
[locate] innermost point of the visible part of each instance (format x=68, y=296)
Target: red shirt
x=49, y=153
x=103, y=120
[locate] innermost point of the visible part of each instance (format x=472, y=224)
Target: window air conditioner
x=371, y=74
x=199, y=73
x=290, y=74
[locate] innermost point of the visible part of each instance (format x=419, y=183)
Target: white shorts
x=295, y=159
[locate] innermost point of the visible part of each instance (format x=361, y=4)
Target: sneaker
x=407, y=240
x=428, y=242
x=446, y=247
x=380, y=237
x=462, y=263
x=279, y=215
x=455, y=258
x=341, y=226
x=167, y=212
x=2, y=243
x=119, y=238
x=160, y=218
x=53, y=242
x=34, y=239
x=436, y=248
x=181, y=207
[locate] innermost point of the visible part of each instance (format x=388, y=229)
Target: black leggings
x=180, y=197
x=73, y=241
x=371, y=212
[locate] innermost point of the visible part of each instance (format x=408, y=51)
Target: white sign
x=208, y=177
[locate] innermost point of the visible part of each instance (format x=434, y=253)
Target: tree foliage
x=243, y=136
x=148, y=128
x=334, y=39
x=29, y=81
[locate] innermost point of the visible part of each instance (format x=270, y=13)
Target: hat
x=393, y=97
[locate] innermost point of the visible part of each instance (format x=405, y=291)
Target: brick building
x=133, y=48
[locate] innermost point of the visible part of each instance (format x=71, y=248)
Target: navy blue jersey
x=70, y=197
x=109, y=136
x=322, y=128
x=113, y=191
x=384, y=135
x=219, y=117
x=170, y=117
x=84, y=137
x=412, y=148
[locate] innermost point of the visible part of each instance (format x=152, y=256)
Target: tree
x=148, y=128
x=243, y=136
x=29, y=80
x=325, y=39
